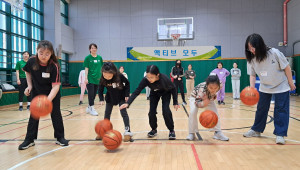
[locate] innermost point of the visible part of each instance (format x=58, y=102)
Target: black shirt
x=42, y=80
x=177, y=71
x=164, y=84
x=114, y=95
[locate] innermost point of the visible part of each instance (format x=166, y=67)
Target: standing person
x=177, y=74
x=222, y=74
x=82, y=85
x=121, y=69
x=42, y=74
x=203, y=96
x=235, y=81
x=190, y=80
x=275, y=77
x=118, y=90
x=93, y=64
x=161, y=87
x=21, y=80
x=147, y=88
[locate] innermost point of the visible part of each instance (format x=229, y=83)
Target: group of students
x=42, y=74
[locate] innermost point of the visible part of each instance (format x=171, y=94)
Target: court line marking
x=40, y=155
x=196, y=157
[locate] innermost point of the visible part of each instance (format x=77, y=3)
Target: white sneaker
x=88, y=109
x=220, y=136
x=93, y=112
x=251, y=133
x=280, y=140
x=191, y=136
x=127, y=135
x=272, y=101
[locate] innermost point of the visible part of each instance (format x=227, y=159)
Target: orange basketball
x=249, y=96
x=103, y=126
x=112, y=139
x=40, y=106
x=208, y=119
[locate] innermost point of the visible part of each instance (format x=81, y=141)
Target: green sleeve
x=18, y=66
x=86, y=62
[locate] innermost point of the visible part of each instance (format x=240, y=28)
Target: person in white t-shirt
x=275, y=76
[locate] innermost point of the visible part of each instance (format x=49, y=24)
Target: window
x=64, y=68
x=64, y=12
x=19, y=31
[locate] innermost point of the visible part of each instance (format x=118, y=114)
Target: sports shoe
x=28, y=107
x=91, y=110
x=148, y=98
x=184, y=103
x=251, y=133
x=62, y=142
x=80, y=102
x=191, y=136
x=20, y=108
x=272, y=101
x=220, y=136
x=98, y=137
x=222, y=102
x=280, y=140
x=26, y=144
x=172, y=135
x=152, y=133
x=219, y=102
x=127, y=135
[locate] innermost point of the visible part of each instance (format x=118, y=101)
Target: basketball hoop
x=175, y=39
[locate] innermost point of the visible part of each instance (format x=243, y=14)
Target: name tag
x=221, y=72
x=95, y=61
x=114, y=85
x=46, y=75
x=264, y=73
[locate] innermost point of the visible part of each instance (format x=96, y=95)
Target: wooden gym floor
x=157, y=153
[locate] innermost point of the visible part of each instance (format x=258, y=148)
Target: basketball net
x=175, y=39
x=16, y=5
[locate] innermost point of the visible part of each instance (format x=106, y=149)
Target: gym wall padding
x=135, y=70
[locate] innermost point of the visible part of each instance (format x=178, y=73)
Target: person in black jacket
x=161, y=87
x=177, y=73
x=118, y=90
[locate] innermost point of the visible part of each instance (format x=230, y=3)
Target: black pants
x=22, y=88
x=108, y=110
x=167, y=114
x=92, y=91
x=57, y=122
x=179, y=83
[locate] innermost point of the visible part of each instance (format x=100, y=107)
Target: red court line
x=196, y=157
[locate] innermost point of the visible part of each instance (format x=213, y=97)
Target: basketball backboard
x=168, y=26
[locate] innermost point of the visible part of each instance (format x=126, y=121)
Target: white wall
x=116, y=24
x=56, y=32
x=293, y=27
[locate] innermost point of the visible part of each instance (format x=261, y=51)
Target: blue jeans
x=281, y=113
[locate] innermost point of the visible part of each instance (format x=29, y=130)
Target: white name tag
x=264, y=73
x=114, y=85
x=221, y=72
x=46, y=75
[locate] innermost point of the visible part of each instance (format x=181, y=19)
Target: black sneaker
x=172, y=135
x=28, y=107
x=62, y=142
x=20, y=108
x=148, y=98
x=152, y=133
x=222, y=102
x=219, y=102
x=80, y=103
x=26, y=144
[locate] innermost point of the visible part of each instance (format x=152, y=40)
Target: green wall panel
x=135, y=70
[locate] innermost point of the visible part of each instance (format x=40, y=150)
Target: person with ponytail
x=161, y=88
